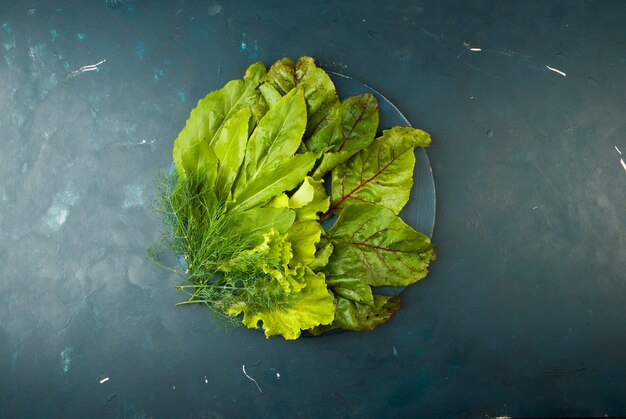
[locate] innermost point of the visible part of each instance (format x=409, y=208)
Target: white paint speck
x=556, y=71
x=173, y=387
x=278, y=376
x=535, y=208
x=395, y=351
x=205, y=380
x=85, y=68
x=476, y=49
x=617, y=149
x=104, y=380
x=623, y=164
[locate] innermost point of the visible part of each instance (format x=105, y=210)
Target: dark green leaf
x=388, y=251
x=351, y=315
x=382, y=173
x=354, y=129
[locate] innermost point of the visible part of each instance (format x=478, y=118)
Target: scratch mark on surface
x=68, y=321
x=556, y=71
x=482, y=72
x=85, y=68
x=623, y=164
x=14, y=361
x=432, y=35
x=109, y=399
x=617, y=149
x=104, y=380
x=243, y=368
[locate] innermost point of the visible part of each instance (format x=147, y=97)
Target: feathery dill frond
x=218, y=270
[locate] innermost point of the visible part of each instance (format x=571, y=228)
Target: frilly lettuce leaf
x=312, y=307
x=322, y=255
x=308, y=201
x=304, y=235
x=256, y=222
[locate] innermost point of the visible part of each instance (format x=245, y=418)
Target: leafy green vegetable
x=386, y=250
x=351, y=315
x=275, y=139
x=207, y=118
x=230, y=149
x=321, y=98
x=245, y=206
x=274, y=181
x=382, y=173
x=353, y=130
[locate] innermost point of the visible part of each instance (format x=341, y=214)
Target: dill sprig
x=218, y=271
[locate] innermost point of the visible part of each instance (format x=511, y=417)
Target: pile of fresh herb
x=245, y=204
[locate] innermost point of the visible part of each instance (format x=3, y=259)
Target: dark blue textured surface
x=522, y=315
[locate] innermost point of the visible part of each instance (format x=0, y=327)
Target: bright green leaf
x=270, y=94
x=312, y=307
x=230, y=149
x=304, y=235
x=258, y=221
x=310, y=200
x=324, y=250
x=272, y=182
x=275, y=139
x=211, y=112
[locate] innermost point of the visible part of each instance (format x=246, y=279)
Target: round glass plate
x=419, y=212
